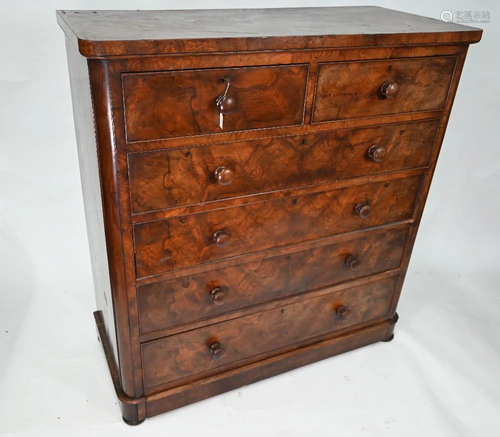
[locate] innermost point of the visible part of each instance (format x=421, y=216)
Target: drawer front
x=176, y=177
x=361, y=89
x=167, y=304
x=183, y=103
x=166, y=245
x=205, y=349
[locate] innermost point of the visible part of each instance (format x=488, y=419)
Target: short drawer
x=184, y=103
x=183, y=241
x=206, y=349
x=176, y=177
x=179, y=301
x=369, y=88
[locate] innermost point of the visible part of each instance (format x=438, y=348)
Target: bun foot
x=388, y=339
x=133, y=423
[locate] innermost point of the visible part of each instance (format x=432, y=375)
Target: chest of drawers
x=253, y=184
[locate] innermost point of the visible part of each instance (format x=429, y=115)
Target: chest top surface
x=122, y=33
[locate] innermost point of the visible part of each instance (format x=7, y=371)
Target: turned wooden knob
x=390, y=90
x=377, y=153
x=363, y=210
x=343, y=313
x=217, y=351
x=226, y=105
x=221, y=239
x=218, y=296
x=224, y=176
x=353, y=262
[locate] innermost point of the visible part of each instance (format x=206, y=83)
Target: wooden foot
x=133, y=423
x=133, y=409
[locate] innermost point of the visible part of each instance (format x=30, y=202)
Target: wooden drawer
x=167, y=304
x=183, y=103
x=176, y=177
x=356, y=89
x=166, y=245
x=205, y=349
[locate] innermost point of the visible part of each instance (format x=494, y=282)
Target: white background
x=439, y=377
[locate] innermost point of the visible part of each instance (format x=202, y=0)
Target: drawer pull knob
x=226, y=104
x=224, y=176
x=353, y=262
x=217, y=351
x=218, y=296
x=221, y=239
x=343, y=313
x=363, y=210
x=377, y=153
x=390, y=90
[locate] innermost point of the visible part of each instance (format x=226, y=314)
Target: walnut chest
x=253, y=184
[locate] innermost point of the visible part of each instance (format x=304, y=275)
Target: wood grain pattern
x=271, y=195
x=178, y=177
x=206, y=61
x=180, y=103
x=265, y=306
x=92, y=195
x=353, y=89
x=170, y=399
x=117, y=245
x=426, y=182
x=180, y=301
x=98, y=171
x=118, y=33
x=270, y=222
x=183, y=355
x=188, y=240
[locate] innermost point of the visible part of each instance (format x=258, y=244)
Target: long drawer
x=166, y=245
x=179, y=301
x=203, y=350
x=176, y=177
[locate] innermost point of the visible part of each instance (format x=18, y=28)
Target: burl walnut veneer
x=253, y=184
